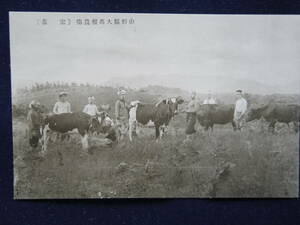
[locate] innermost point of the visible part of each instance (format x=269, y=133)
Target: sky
x=264, y=49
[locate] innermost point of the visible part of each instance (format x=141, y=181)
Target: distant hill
x=203, y=84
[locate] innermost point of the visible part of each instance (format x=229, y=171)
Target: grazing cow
x=272, y=113
x=160, y=114
x=65, y=122
x=208, y=115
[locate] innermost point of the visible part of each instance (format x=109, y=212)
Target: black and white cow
x=65, y=122
x=160, y=114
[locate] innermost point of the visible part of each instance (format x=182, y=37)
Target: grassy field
x=251, y=163
x=221, y=164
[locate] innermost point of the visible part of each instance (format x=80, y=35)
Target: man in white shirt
x=210, y=100
x=239, y=110
x=91, y=108
x=121, y=114
x=62, y=106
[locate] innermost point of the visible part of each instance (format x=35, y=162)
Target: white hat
x=122, y=92
x=134, y=103
x=63, y=93
x=32, y=103
x=91, y=98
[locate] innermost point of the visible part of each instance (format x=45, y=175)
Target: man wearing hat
x=121, y=113
x=191, y=110
x=91, y=107
x=62, y=106
x=34, y=119
x=239, y=110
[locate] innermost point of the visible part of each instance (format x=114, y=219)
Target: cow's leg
x=288, y=125
x=206, y=127
x=84, y=141
x=130, y=129
x=233, y=125
x=296, y=126
x=45, y=139
x=156, y=131
x=272, y=126
x=162, y=131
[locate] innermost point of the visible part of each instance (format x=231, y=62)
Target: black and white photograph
x=129, y=105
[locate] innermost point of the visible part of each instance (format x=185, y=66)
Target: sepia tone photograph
x=122, y=105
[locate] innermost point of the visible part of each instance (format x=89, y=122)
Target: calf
x=65, y=122
x=160, y=114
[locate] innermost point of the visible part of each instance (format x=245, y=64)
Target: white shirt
x=192, y=106
x=240, y=106
x=132, y=114
x=62, y=107
x=210, y=101
x=91, y=109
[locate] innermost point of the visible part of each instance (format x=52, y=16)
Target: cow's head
x=255, y=112
x=173, y=104
x=95, y=123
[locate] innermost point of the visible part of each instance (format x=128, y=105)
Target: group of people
x=122, y=109
x=63, y=106
x=193, y=107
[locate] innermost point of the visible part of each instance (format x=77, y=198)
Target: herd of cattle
x=160, y=115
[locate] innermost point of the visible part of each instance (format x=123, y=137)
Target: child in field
x=91, y=107
x=62, y=106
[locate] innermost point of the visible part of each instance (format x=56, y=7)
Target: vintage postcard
x=155, y=105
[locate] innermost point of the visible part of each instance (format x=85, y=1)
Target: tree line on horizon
x=53, y=85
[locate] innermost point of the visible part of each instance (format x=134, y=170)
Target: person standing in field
x=239, y=110
x=91, y=107
x=191, y=116
x=122, y=114
x=62, y=106
x=35, y=121
x=210, y=100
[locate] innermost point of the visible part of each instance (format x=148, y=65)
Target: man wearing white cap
x=121, y=113
x=91, y=107
x=62, y=106
x=239, y=110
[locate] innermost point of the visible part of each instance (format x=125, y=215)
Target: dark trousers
x=191, y=121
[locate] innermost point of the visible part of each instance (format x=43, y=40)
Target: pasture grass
x=223, y=163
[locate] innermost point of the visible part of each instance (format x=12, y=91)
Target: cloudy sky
x=264, y=49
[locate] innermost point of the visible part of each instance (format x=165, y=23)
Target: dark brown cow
x=160, y=114
x=208, y=115
x=272, y=113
